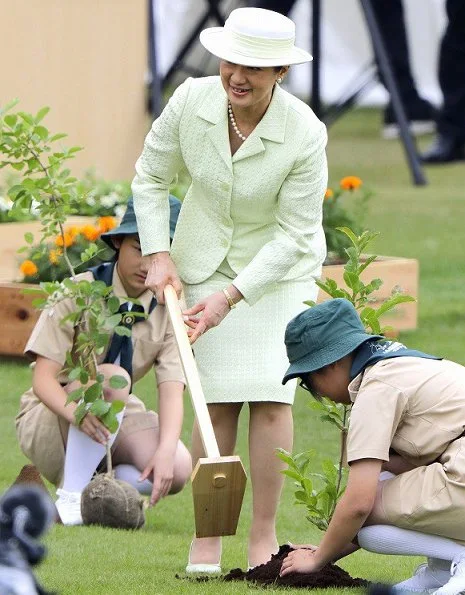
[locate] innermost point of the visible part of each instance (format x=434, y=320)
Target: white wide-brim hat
x=255, y=37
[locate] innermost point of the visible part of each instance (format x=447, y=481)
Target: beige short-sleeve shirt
x=153, y=338
x=413, y=405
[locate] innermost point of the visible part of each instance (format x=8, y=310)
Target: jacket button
x=225, y=186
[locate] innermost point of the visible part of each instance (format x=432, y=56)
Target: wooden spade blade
x=218, y=486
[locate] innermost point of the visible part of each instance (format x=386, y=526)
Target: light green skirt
x=244, y=358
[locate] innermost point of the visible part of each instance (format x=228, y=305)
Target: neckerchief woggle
x=120, y=344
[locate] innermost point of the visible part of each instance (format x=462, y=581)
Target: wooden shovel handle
x=192, y=374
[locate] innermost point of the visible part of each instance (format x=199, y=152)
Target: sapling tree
x=46, y=184
x=320, y=492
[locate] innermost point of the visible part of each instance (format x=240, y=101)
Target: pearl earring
x=279, y=79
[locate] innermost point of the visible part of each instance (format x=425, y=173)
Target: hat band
x=259, y=47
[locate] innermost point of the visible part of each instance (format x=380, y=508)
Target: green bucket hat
x=323, y=335
x=128, y=225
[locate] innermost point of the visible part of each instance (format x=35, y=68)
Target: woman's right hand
x=161, y=271
x=94, y=428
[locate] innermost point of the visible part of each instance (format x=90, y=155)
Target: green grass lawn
x=420, y=222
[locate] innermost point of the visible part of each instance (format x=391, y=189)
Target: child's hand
x=94, y=428
x=303, y=561
x=302, y=546
x=161, y=468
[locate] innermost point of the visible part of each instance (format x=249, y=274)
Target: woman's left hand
x=300, y=561
x=213, y=309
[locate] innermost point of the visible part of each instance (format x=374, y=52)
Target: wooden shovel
x=218, y=483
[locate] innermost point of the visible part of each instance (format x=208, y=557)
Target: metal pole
x=391, y=84
x=155, y=83
x=316, y=53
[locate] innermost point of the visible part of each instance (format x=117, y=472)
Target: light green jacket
x=261, y=208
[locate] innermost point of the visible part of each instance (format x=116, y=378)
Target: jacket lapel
x=214, y=109
x=271, y=127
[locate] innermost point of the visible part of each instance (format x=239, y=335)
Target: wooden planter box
x=396, y=273
x=17, y=318
x=17, y=314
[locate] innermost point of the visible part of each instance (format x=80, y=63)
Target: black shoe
x=421, y=116
x=444, y=150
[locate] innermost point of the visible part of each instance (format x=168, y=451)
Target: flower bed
x=12, y=239
x=17, y=314
x=96, y=198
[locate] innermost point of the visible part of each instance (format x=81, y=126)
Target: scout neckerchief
x=375, y=350
x=120, y=345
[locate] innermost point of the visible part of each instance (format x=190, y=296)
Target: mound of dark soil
x=268, y=574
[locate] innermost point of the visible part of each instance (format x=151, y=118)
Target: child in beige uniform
x=146, y=449
x=405, y=447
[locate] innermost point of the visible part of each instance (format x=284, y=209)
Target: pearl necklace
x=233, y=123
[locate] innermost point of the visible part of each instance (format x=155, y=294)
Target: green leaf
x=310, y=303
x=100, y=407
x=352, y=280
x=367, y=262
x=331, y=420
x=58, y=136
x=110, y=421
x=11, y=120
x=73, y=150
x=75, y=373
x=81, y=412
x=41, y=114
x=292, y=474
x=284, y=456
x=41, y=131
x=39, y=303
x=118, y=381
x=28, y=237
x=113, y=321
x=32, y=290
x=329, y=469
x=75, y=395
x=93, y=392
x=392, y=302
x=117, y=406
x=349, y=233
x=123, y=331
x=113, y=304
x=307, y=485
x=83, y=376
x=26, y=117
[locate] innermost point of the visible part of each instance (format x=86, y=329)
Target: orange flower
x=106, y=224
x=54, y=256
x=28, y=268
x=68, y=240
x=350, y=183
x=72, y=230
x=329, y=193
x=90, y=232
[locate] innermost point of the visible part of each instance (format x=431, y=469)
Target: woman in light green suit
x=248, y=243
